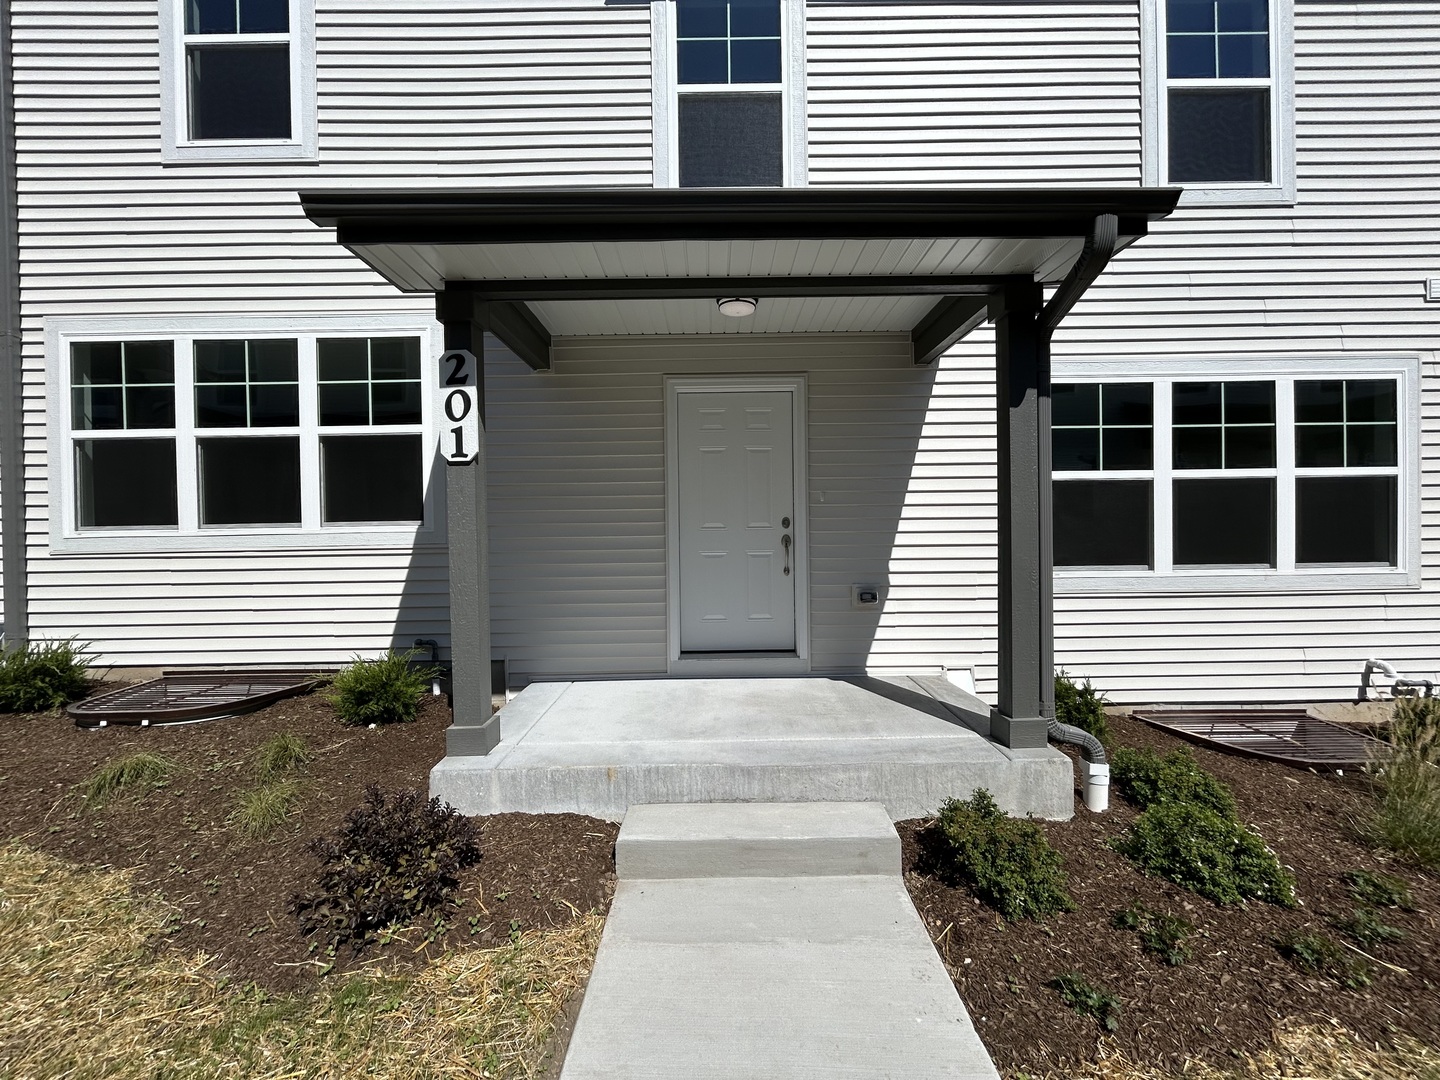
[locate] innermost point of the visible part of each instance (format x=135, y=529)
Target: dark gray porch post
x=1026, y=623
x=473, y=730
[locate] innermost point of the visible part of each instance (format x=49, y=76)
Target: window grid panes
x=727, y=42
x=238, y=70
x=1102, y=426
x=1219, y=96
x=249, y=448
x=1226, y=492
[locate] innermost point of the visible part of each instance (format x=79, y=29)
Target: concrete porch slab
x=597, y=748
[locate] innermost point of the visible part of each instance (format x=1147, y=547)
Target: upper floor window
x=238, y=79
x=727, y=107
x=1194, y=479
x=1219, y=99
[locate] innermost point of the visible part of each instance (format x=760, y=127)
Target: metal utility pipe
x=12, y=408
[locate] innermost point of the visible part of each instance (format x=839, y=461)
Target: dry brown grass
x=1299, y=1052
x=83, y=993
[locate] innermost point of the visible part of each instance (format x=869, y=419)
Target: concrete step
x=746, y=840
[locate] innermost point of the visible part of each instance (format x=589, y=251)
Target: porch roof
x=572, y=262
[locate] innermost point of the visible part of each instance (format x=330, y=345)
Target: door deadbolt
x=784, y=523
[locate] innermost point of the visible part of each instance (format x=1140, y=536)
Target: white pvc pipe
x=1097, y=786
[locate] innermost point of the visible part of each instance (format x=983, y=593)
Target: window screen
x=731, y=140
x=1219, y=136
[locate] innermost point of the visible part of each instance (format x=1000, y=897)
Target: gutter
x=12, y=406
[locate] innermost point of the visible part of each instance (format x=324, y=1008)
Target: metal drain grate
x=1292, y=736
x=192, y=695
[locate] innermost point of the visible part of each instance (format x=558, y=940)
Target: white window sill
x=286, y=153
x=236, y=541
x=1077, y=582
x=1247, y=195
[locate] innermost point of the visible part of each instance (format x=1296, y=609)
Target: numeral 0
x=457, y=405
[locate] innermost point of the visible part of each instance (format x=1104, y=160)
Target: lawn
x=161, y=901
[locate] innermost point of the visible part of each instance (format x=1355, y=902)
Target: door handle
x=785, y=543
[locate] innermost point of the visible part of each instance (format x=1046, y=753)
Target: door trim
x=786, y=663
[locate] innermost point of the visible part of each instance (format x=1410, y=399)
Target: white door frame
x=797, y=663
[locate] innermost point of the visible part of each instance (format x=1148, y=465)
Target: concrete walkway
x=598, y=748
x=765, y=940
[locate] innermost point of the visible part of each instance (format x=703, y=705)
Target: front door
x=736, y=494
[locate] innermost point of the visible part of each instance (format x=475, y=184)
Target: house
x=756, y=246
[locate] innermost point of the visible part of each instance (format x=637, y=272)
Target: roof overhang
x=570, y=262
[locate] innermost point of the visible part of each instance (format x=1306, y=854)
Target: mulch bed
x=538, y=871
x=1226, y=1000
x=233, y=894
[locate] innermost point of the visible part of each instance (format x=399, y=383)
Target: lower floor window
x=1245, y=474
x=193, y=434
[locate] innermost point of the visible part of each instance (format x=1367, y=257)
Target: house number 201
x=460, y=435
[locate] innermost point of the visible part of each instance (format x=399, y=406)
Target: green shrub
x=281, y=755
x=40, y=675
x=1087, y=999
x=1145, y=778
x=1007, y=862
x=1206, y=852
x=1161, y=935
x=1080, y=705
x=129, y=773
x=1319, y=955
x=387, y=690
x=1379, y=890
x=1366, y=928
x=265, y=808
x=395, y=859
x=1405, y=817
x=1415, y=727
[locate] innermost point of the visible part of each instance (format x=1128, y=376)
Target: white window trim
x=1285, y=577
x=176, y=147
x=1155, y=150
x=680, y=663
x=664, y=84
x=66, y=538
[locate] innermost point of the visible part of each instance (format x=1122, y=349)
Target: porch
x=908, y=742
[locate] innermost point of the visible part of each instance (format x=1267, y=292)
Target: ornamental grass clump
x=40, y=675
x=1405, y=817
x=1208, y=853
x=1006, y=862
x=1081, y=705
x=387, y=690
x=396, y=859
x=1145, y=778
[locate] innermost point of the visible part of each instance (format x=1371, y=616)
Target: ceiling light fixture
x=737, y=307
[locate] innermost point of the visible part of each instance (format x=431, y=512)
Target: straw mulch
x=84, y=993
x=1299, y=1052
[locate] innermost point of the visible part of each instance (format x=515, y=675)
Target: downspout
x=12, y=405
x=1094, y=256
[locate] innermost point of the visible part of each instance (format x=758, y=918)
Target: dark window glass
x=274, y=405
x=1249, y=402
x=1074, y=403
x=1321, y=401
x=371, y=478
x=1129, y=403
x=274, y=360
x=1127, y=448
x=1190, y=56
x=1249, y=447
x=755, y=61
x=700, y=62
x=247, y=383
x=1243, y=56
x=249, y=481
x=755, y=18
x=701, y=18
x=237, y=16
x=1219, y=136
x=1228, y=522
x=730, y=140
x=219, y=361
x=395, y=358
x=1320, y=446
x=343, y=359
x=137, y=390
x=99, y=408
x=1369, y=400
x=1241, y=16
x=1370, y=444
x=149, y=362
x=1190, y=16
x=122, y=483
x=264, y=16
x=344, y=403
x=1073, y=449
x=395, y=402
x=97, y=363
x=1346, y=519
x=1102, y=523
x=210, y=17
x=239, y=91
x=149, y=407
x=1196, y=403
x=220, y=405
x=1198, y=447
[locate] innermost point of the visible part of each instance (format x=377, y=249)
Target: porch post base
x=472, y=740
x=1018, y=732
